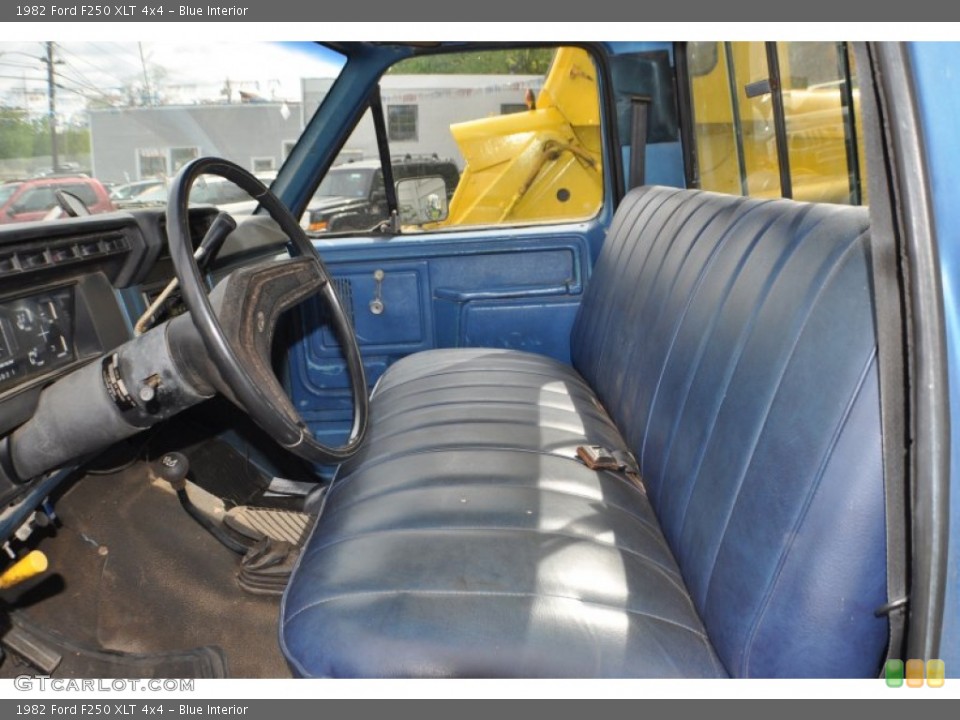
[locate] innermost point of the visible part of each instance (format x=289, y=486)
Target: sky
x=98, y=65
x=104, y=70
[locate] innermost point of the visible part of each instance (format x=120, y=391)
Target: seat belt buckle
x=597, y=457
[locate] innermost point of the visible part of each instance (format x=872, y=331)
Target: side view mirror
x=422, y=200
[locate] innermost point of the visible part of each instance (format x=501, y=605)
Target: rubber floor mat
x=75, y=660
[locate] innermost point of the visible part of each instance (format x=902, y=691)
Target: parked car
x=634, y=410
x=25, y=200
x=215, y=191
x=129, y=191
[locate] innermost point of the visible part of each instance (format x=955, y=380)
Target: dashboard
x=72, y=289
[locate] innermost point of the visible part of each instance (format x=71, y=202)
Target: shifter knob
x=172, y=467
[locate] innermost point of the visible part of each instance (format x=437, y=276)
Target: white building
x=135, y=143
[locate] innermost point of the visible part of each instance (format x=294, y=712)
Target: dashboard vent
x=31, y=259
x=39, y=256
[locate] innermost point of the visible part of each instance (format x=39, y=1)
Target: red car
x=25, y=200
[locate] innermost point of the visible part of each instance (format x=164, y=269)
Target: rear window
x=777, y=119
x=345, y=183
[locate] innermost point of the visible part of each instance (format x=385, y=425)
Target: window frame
x=172, y=168
x=155, y=153
x=612, y=163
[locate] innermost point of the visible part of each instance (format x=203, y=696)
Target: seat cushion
x=466, y=540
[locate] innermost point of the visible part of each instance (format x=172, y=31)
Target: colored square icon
x=914, y=673
x=893, y=672
x=935, y=673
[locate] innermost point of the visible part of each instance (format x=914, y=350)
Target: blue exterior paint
x=936, y=68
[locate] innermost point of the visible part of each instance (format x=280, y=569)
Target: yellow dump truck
x=542, y=164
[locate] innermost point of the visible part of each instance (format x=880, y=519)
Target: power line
x=99, y=69
x=81, y=81
x=16, y=64
x=87, y=94
x=21, y=77
x=89, y=91
x=135, y=64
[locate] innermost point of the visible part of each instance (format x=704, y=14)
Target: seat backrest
x=732, y=340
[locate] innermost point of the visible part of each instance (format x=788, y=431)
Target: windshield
x=128, y=113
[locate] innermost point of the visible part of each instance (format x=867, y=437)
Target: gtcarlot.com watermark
x=45, y=682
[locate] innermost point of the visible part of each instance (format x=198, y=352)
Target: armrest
x=505, y=293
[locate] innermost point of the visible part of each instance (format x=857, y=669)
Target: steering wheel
x=238, y=319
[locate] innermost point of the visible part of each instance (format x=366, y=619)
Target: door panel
x=411, y=295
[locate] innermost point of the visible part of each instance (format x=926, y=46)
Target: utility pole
x=52, y=116
x=148, y=97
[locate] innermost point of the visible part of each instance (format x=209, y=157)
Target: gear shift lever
x=174, y=467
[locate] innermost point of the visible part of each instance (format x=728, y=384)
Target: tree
x=21, y=137
x=515, y=61
x=17, y=134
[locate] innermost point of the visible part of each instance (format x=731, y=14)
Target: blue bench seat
x=727, y=346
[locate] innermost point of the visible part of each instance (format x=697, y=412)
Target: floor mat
x=28, y=642
x=131, y=572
